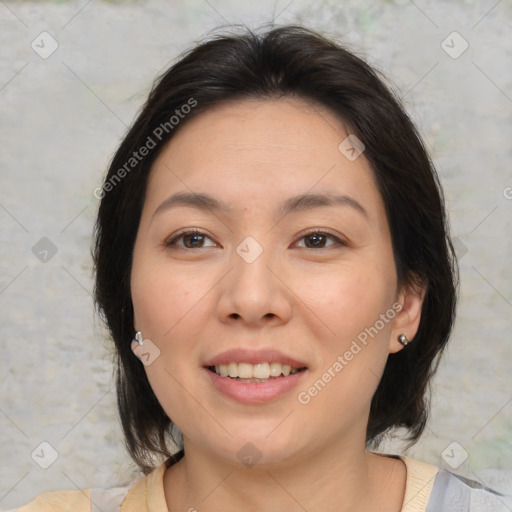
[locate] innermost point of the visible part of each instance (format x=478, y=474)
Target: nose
x=255, y=292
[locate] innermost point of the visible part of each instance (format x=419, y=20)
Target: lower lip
x=255, y=392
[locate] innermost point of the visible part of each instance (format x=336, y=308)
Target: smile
x=253, y=390
x=260, y=372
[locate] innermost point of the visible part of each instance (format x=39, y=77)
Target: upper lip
x=251, y=356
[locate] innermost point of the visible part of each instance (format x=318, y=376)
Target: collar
x=147, y=494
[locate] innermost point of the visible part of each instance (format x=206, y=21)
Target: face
x=254, y=282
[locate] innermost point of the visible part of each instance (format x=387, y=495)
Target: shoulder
x=433, y=489
x=85, y=500
x=142, y=495
x=419, y=484
x=58, y=501
x=455, y=493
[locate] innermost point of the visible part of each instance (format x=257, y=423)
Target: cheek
x=167, y=304
x=350, y=302
x=165, y=298
x=347, y=299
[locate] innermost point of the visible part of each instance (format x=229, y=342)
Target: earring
x=402, y=338
x=138, y=338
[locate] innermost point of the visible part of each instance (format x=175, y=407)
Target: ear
x=408, y=318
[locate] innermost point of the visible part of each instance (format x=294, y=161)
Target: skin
x=199, y=298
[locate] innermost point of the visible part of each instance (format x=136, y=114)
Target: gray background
x=62, y=118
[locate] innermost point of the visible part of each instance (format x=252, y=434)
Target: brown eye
x=191, y=240
x=318, y=239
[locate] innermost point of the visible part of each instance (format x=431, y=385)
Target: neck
x=341, y=478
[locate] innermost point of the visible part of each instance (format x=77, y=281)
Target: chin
x=259, y=449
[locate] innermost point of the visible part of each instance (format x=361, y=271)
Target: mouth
x=253, y=373
x=255, y=377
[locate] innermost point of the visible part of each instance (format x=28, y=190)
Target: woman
x=274, y=264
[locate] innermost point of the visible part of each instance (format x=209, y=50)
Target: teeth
x=254, y=371
x=261, y=371
x=244, y=370
x=275, y=369
x=232, y=370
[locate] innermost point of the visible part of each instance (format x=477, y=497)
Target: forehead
x=263, y=150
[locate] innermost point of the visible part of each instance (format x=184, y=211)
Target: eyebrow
x=299, y=203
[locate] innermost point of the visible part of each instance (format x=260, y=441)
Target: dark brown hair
x=283, y=61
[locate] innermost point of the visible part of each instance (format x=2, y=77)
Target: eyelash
x=172, y=242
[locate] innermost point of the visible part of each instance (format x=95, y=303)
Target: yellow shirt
x=147, y=494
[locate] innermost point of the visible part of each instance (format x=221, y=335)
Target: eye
x=195, y=239
x=317, y=239
x=191, y=240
